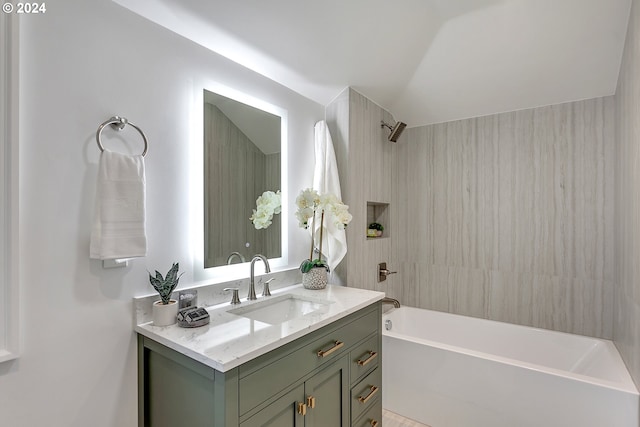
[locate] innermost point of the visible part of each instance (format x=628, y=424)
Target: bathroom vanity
x=298, y=358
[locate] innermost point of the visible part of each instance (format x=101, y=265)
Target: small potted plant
x=375, y=230
x=165, y=309
x=311, y=204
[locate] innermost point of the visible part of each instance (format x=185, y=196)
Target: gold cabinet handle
x=373, y=423
x=324, y=353
x=302, y=409
x=372, y=390
x=311, y=402
x=372, y=355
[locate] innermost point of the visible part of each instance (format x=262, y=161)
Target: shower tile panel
x=510, y=217
x=506, y=217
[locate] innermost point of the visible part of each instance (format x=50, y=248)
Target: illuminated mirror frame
x=233, y=271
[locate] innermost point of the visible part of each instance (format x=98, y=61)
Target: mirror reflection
x=242, y=146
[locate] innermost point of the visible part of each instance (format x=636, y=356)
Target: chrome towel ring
x=118, y=123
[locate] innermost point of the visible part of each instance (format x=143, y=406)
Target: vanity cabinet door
x=286, y=411
x=327, y=396
x=321, y=401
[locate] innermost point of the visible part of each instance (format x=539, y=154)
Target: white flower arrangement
x=267, y=205
x=310, y=203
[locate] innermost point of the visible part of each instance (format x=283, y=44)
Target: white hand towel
x=119, y=218
x=327, y=180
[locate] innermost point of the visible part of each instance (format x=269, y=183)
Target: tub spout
x=395, y=302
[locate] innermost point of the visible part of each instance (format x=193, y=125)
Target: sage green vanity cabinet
x=283, y=412
x=329, y=377
x=323, y=400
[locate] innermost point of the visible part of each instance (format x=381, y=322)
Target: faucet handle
x=235, y=299
x=265, y=290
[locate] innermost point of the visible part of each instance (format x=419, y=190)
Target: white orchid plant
x=267, y=205
x=310, y=204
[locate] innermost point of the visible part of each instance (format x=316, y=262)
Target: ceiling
x=426, y=61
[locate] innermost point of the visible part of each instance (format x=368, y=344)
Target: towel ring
x=118, y=123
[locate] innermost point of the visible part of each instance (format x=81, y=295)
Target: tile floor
x=390, y=419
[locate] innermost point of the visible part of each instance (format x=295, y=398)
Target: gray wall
x=626, y=325
x=366, y=165
x=510, y=217
x=507, y=217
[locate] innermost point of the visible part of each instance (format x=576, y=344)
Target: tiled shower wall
x=507, y=217
x=366, y=163
x=510, y=217
x=626, y=330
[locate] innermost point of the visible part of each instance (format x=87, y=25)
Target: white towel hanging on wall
x=327, y=180
x=119, y=218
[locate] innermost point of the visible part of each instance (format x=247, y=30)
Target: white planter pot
x=316, y=278
x=164, y=314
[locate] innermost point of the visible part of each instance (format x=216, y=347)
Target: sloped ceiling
x=426, y=61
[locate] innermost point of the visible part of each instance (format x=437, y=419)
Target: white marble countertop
x=230, y=340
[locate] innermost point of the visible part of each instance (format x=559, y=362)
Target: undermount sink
x=276, y=310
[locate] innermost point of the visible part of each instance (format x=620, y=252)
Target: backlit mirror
x=242, y=160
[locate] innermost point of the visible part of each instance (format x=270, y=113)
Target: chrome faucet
x=235, y=255
x=252, y=286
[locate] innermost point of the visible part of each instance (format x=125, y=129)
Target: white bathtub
x=446, y=370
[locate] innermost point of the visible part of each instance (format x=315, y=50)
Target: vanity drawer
x=273, y=372
x=366, y=393
x=372, y=417
x=364, y=357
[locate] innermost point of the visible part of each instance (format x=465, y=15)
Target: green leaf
x=307, y=265
x=155, y=282
x=171, y=275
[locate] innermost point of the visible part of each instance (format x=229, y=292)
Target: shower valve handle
x=383, y=272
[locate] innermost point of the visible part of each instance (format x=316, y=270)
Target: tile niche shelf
x=378, y=212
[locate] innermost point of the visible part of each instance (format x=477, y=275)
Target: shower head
x=396, y=130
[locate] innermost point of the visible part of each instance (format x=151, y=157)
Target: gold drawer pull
x=337, y=345
x=302, y=409
x=373, y=423
x=372, y=390
x=311, y=402
x=372, y=355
